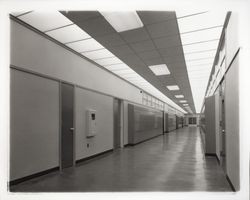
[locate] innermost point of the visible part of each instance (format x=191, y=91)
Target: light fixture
x=98, y=54
x=159, y=70
x=200, y=55
x=45, y=21
x=68, y=34
x=86, y=45
x=124, y=71
x=123, y=21
x=185, y=104
x=109, y=61
x=201, y=36
x=183, y=101
x=62, y=29
x=117, y=67
x=201, y=21
x=179, y=96
x=198, y=47
x=173, y=87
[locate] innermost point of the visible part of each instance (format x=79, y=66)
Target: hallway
x=172, y=162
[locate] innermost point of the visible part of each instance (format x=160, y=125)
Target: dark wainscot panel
x=143, y=123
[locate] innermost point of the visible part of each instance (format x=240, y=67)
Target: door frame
x=60, y=123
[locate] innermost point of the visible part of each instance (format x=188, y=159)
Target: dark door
x=117, y=123
x=166, y=122
x=67, y=125
x=222, y=129
x=177, y=122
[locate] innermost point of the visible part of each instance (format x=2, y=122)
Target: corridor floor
x=172, y=162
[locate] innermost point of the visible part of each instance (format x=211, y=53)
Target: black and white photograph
x=147, y=99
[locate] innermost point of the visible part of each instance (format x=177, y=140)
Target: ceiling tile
x=163, y=29
x=167, y=42
x=135, y=35
x=149, y=54
x=154, y=61
x=113, y=39
x=96, y=27
x=121, y=50
x=149, y=17
x=173, y=51
x=143, y=46
x=174, y=59
x=132, y=60
x=180, y=65
x=167, y=80
x=42, y=20
x=78, y=16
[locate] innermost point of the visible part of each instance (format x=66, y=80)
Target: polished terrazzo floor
x=172, y=162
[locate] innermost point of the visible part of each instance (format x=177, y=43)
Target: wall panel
x=103, y=140
x=143, y=123
x=34, y=134
x=232, y=123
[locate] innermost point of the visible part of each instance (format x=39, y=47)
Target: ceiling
x=157, y=42
x=185, y=42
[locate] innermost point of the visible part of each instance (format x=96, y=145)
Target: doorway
x=67, y=126
x=118, y=123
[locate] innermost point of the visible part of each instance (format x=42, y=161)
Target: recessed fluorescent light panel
x=68, y=34
x=123, y=21
x=108, y=61
x=179, y=96
x=200, y=41
x=183, y=101
x=85, y=45
x=173, y=87
x=59, y=27
x=98, y=54
x=45, y=21
x=159, y=70
x=185, y=104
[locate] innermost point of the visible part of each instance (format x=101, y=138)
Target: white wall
x=103, y=139
x=34, y=135
x=232, y=102
x=34, y=52
x=232, y=123
x=35, y=102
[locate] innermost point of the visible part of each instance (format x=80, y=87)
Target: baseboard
x=230, y=183
x=26, y=178
x=214, y=155
x=128, y=145
x=94, y=156
x=144, y=140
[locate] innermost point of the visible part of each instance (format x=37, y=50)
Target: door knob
x=71, y=129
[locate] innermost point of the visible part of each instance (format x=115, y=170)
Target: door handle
x=72, y=129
